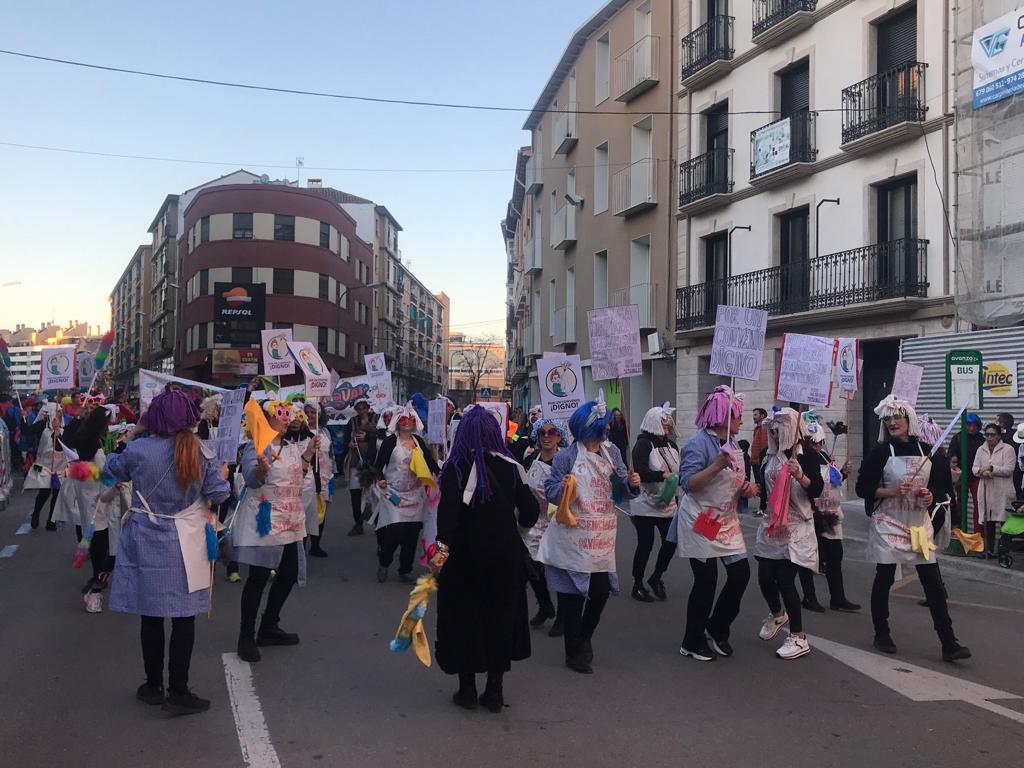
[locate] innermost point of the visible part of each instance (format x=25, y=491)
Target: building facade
x=129, y=317
x=300, y=247
x=421, y=365
x=591, y=222
x=476, y=371
x=25, y=347
x=813, y=180
x=163, y=286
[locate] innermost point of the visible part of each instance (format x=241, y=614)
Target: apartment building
x=422, y=363
x=26, y=346
x=814, y=180
x=129, y=317
x=476, y=370
x=591, y=222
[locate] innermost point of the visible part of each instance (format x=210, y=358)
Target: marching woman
x=481, y=601
x=163, y=570
x=400, y=499
x=578, y=548
x=711, y=475
x=994, y=464
x=656, y=460
x=548, y=436
x=315, y=488
x=361, y=439
x=785, y=538
x=900, y=486
x=828, y=522
x=268, y=529
x=44, y=477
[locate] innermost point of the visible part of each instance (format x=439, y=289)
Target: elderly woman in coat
x=993, y=466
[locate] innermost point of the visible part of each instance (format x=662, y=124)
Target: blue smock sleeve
x=560, y=467
x=249, y=466
x=694, y=459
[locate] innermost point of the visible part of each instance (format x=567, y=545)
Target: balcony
x=645, y=296
x=884, y=108
x=707, y=52
x=534, y=174
x=564, y=136
x=894, y=270
x=531, y=341
x=705, y=181
x=563, y=331
x=783, y=150
x=563, y=227
x=635, y=187
x=532, y=259
x=778, y=20
x=636, y=70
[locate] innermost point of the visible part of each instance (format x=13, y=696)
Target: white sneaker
x=772, y=625
x=93, y=602
x=793, y=648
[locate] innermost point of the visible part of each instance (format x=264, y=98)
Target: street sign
x=485, y=392
x=965, y=378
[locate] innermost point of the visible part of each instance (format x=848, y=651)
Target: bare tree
x=476, y=358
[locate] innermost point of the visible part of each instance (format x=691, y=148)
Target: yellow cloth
x=564, y=515
x=321, y=509
x=971, y=542
x=919, y=542
x=418, y=466
x=257, y=426
x=411, y=628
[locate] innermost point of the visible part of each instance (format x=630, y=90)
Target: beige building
x=129, y=317
x=476, y=370
x=592, y=221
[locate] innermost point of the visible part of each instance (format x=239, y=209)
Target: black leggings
x=830, y=554
x=99, y=557
x=645, y=543
x=539, y=585
x=777, y=577
x=183, y=636
x=356, y=494
x=581, y=613
x=934, y=591
x=252, y=591
x=41, y=496
x=699, y=614
x=392, y=537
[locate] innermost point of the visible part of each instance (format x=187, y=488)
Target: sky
x=70, y=222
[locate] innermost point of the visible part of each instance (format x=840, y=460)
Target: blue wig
x=419, y=402
x=590, y=421
x=478, y=434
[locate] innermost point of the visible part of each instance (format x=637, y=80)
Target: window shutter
x=897, y=40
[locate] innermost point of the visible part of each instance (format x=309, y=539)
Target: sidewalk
x=855, y=530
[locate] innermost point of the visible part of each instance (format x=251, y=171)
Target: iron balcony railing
x=768, y=13
x=707, y=174
x=884, y=100
x=708, y=43
x=784, y=142
x=892, y=270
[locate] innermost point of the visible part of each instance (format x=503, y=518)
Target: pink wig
x=713, y=412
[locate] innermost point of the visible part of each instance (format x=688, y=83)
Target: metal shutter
x=897, y=40
x=795, y=90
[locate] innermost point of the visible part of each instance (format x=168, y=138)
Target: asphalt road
x=341, y=698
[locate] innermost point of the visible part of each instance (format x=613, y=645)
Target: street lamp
x=344, y=295
x=817, y=220
x=729, y=264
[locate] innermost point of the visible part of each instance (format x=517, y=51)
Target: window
x=602, y=67
x=325, y=235
x=341, y=297
x=343, y=247
x=716, y=272
x=284, y=281
x=241, y=226
x=601, y=178
x=204, y=338
x=551, y=307
x=793, y=256
x=324, y=288
x=600, y=279
x=204, y=282
x=897, y=40
x=795, y=89
x=321, y=338
x=241, y=274
x=341, y=344
x=284, y=227
x=204, y=229
x=897, y=210
x=716, y=122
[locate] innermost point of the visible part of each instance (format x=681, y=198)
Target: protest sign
x=85, y=365
x=314, y=371
x=57, y=368
x=152, y=384
x=906, y=383
x=738, y=344
x=376, y=389
x=437, y=411
x=375, y=363
x=561, y=385
x=805, y=370
x=848, y=366
x=229, y=426
x=614, y=343
x=276, y=359
x=500, y=411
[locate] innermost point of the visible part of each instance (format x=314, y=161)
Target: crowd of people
x=494, y=510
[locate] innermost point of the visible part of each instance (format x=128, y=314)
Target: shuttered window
x=897, y=39
x=795, y=89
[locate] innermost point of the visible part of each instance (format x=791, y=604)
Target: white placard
x=85, y=365
x=376, y=363
x=772, y=146
x=1000, y=378
x=561, y=385
x=963, y=380
x=376, y=389
x=614, y=342
x=57, y=368
x=437, y=411
x=500, y=411
x=738, y=344
x=229, y=425
x=152, y=384
x=277, y=361
x=312, y=367
x=848, y=367
x=805, y=371
x=906, y=383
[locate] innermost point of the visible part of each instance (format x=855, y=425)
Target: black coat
x=482, y=615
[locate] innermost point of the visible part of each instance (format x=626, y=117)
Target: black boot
x=272, y=634
x=466, y=696
x=810, y=603
x=314, y=547
x=247, y=650
x=658, y=587
x=640, y=593
x=494, y=698
x=544, y=612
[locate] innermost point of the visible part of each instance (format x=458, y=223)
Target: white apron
x=795, y=541
x=645, y=505
x=48, y=463
x=283, y=489
x=76, y=500
x=111, y=507
x=889, y=532
x=535, y=477
x=719, y=497
x=405, y=499
x=590, y=546
x=830, y=503
x=309, y=505
x=191, y=526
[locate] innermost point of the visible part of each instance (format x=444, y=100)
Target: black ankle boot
x=272, y=634
x=466, y=696
x=494, y=698
x=247, y=650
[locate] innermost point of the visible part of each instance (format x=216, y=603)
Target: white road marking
x=253, y=737
x=23, y=529
x=9, y=550
x=917, y=683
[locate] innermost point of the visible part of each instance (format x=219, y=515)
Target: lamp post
x=344, y=295
x=817, y=220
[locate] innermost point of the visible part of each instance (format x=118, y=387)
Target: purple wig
x=712, y=413
x=478, y=434
x=170, y=412
x=590, y=421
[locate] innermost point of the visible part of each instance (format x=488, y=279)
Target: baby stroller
x=1012, y=533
